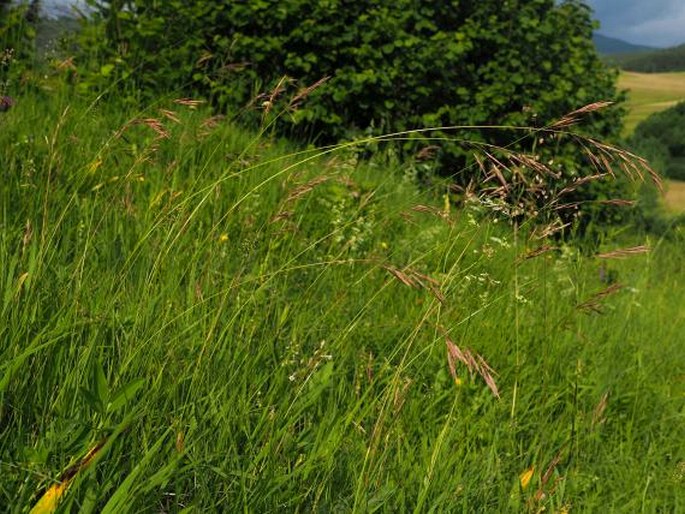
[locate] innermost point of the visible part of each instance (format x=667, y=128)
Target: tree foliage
x=328, y=70
x=658, y=61
x=661, y=138
x=390, y=66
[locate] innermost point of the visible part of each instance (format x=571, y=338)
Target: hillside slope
x=649, y=93
x=659, y=61
x=610, y=46
x=210, y=320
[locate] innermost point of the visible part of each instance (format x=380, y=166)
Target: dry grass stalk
x=619, y=202
x=631, y=164
x=66, y=64
x=475, y=363
x=28, y=235
x=433, y=211
x=578, y=182
x=303, y=189
x=598, y=417
x=189, y=102
x=275, y=93
x=624, y=252
x=153, y=123
x=593, y=304
x=496, y=165
x=282, y=215
x=416, y=280
x=427, y=153
x=209, y=124
x=170, y=115
x=540, y=250
x=400, y=395
x=575, y=116
x=204, y=57
x=304, y=92
x=540, y=494
x=550, y=229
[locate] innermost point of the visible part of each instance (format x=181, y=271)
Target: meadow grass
x=197, y=318
x=649, y=93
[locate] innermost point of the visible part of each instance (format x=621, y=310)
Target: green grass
x=649, y=93
x=216, y=307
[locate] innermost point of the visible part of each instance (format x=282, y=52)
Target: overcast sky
x=647, y=22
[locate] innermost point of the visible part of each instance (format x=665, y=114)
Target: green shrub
x=329, y=70
x=661, y=138
x=390, y=67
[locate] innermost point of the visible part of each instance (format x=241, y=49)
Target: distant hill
x=658, y=61
x=610, y=46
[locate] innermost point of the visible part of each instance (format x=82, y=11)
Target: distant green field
x=649, y=93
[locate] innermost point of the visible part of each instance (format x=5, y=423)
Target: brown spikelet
x=276, y=92
x=189, y=102
x=427, y=152
x=550, y=229
x=578, y=182
x=598, y=414
x=204, y=57
x=400, y=395
x=568, y=206
x=213, y=121
x=28, y=235
x=619, y=202
x=209, y=124
x=402, y=277
x=180, y=442
x=540, y=250
x=412, y=278
x=545, y=478
x=624, y=252
x=170, y=115
x=303, y=189
x=433, y=211
x=475, y=363
x=304, y=92
x=282, y=215
x=593, y=304
x=153, y=123
x=66, y=64
x=496, y=167
x=156, y=125
x=575, y=116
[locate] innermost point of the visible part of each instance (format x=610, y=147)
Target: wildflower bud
x=6, y=102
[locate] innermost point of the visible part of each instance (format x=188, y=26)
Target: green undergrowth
x=245, y=326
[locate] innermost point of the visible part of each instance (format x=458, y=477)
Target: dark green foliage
x=661, y=138
x=391, y=67
x=330, y=70
x=659, y=61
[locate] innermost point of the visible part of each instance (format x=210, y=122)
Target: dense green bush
x=390, y=67
x=331, y=69
x=661, y=138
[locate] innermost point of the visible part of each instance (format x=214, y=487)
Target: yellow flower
x=223, y=238
x=526, y=477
